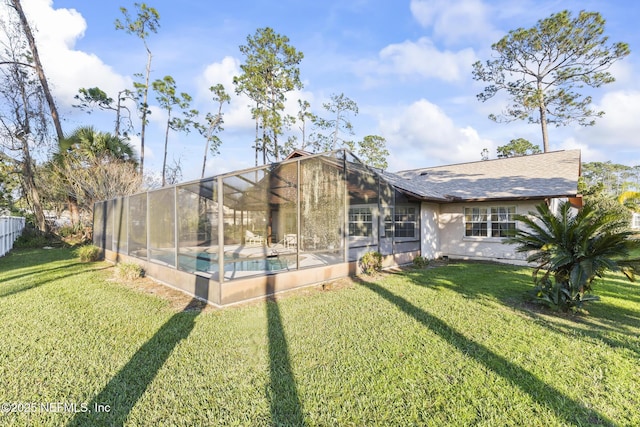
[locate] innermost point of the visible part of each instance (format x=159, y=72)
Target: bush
x=32, y=238
x=67, y=230
x=573, y=249
x=371, y=262
x=420, y=262
x=88, y=253
x=129, y=271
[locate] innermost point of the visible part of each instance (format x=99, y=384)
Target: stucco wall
x=430, y=233
x=453, y=242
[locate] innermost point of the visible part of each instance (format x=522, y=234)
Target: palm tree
x=85, y=141
x=571, y=249
x=630, y=199
x=86, y=145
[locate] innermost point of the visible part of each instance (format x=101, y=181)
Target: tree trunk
x=543, y=119
x=74, y=211
x=274, y=114
x=335, y=133
x=38, y=66
x=257, y=127
x=36, y=205
x=164, y=160
x=264, y=147
x=204, y=159
x=117, y=130
x=30, y=188
x=212, y=128
x=144, y=111
x=543, y=126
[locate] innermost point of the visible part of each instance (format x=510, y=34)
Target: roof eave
x=420, y=196
x=456, y=199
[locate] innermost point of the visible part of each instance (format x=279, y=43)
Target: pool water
x=208, y=262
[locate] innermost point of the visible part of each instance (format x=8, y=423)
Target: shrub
x=67, y=230
x=420, y=262
x=129, y=271
x=572, y=249
x=371, y=262
x=88, y=253
x=32, y=238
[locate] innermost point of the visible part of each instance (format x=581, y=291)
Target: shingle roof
x=413, y=187
x=553, y=174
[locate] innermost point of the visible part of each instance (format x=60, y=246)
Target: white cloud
x=422, y=58
x=617, y=134
x=237, y=114
x=620, y=124
x=587, y=153
x=56, y=32
x=54, y=26
x=218, y=72
x=157, y=116
x=425, y=12
x=454, y=21
x=149, y=154
x=624, y=73
x=423, y=135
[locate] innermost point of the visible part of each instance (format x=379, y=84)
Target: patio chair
x=253, y=239
x=290, y=241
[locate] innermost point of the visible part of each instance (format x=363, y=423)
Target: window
x=360, y=222
x=475, y=222
x=388, y=225
x=493, y=222
x=502, y=222
x=405, y=221
x=635, y=223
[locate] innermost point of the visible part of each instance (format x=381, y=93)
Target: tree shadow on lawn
x=510, y=286
x=37, y=261
x=477, y=280
x=38, y=271
x=598, y=328
x=285, y=405
x=125, y=389
x=8, y=290
x=618, y=287
x=572, y=411
x=34, y=261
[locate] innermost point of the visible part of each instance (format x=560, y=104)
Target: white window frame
x=387, y=229
x=484, y=217
x=397, y=220
x=361, y=218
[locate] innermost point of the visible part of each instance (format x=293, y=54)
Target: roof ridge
x=488, y=160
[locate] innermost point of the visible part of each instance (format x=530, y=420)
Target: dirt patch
x=330, y=286
x=335, y=285
x=178, y=300
x=181, y=301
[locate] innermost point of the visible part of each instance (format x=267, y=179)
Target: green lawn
x=452, y=345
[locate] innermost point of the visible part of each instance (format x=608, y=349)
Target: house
x=635, y=221
x=467, y=209
x=311, y=217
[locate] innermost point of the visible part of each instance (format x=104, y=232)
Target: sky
x=406, y=63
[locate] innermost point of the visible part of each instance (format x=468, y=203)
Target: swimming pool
x=207, y=262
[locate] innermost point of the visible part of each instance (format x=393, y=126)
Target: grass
x=452, y=345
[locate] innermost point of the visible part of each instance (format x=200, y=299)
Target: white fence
x=10, y=229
